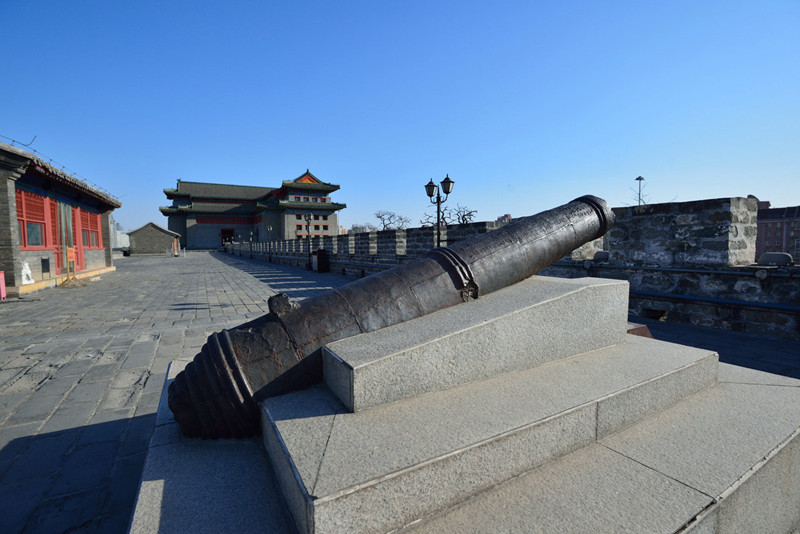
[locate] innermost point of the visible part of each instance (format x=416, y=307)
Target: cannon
x=217, y=394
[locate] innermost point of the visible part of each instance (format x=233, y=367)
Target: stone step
x=536, y=321
x=725, y=460
x=379, y=469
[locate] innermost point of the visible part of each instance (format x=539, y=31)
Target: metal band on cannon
x=216, y=396
x=459, y=271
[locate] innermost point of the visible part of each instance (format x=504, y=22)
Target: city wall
x=691, y=262
x=360, y=254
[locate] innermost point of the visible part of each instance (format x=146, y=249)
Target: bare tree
x=391, y=220
x=361, y=228
x=430, y=219
x=464, y=215
x=459, y=215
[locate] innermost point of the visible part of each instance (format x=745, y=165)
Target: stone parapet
x=391, y=243
x=745, y=299
x=421, y=240
x=716, y=232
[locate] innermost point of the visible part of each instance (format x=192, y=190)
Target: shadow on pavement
x=297, y=282
x=82, y=479
x=762, y=353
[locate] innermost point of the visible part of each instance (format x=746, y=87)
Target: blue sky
x=526, y=105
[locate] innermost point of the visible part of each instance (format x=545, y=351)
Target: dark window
x=298, y=217
x=35, y=233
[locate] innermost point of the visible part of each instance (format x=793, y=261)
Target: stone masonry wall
x=745, y=299
x=33, y=259
x=693, y=262
x=717, y=232
x=12, y=166
x=363, y=253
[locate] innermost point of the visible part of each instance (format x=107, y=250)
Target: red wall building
x=49, y=218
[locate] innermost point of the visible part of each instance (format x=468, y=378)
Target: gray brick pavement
x=81, y=372
x=763, y=353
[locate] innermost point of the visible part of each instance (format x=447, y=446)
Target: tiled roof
x=220, y=191
x=157, y=227
x=310, y=186
x=39, y=165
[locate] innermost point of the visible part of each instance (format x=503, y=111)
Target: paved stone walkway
x=763, y=353
x=81, y=372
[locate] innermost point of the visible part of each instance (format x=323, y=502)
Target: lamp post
x=640, y=179
x=432, y=189
x=269, y=242
x=307, y=217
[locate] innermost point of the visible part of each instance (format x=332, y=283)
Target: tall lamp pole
x=269, y=242
x=432, y=189
x=307, y=217
x=640, y=179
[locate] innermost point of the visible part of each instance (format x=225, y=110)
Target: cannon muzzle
x=217, y=394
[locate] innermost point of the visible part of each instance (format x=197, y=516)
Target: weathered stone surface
x=685, y=233
x=230, y=482
x=722, y=461
x=538, y=320
x=370, y=470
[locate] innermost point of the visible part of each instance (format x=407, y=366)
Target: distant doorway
x=227, y=234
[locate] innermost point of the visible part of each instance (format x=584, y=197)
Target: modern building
x=51, y=224
x=208, y=215
x=778, y=230
x=119, y=237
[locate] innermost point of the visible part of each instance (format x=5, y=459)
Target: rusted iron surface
x=216, y=395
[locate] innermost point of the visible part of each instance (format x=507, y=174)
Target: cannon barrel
x=217, y=394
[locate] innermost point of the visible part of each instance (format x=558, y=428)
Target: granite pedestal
x=528, y=410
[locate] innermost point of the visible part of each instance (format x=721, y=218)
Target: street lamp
x=307, y=217
x=432, y=189
x=640, y=179
x=269, y=242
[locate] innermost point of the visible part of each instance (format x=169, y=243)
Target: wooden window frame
x=91, y=236
x=33, y=209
